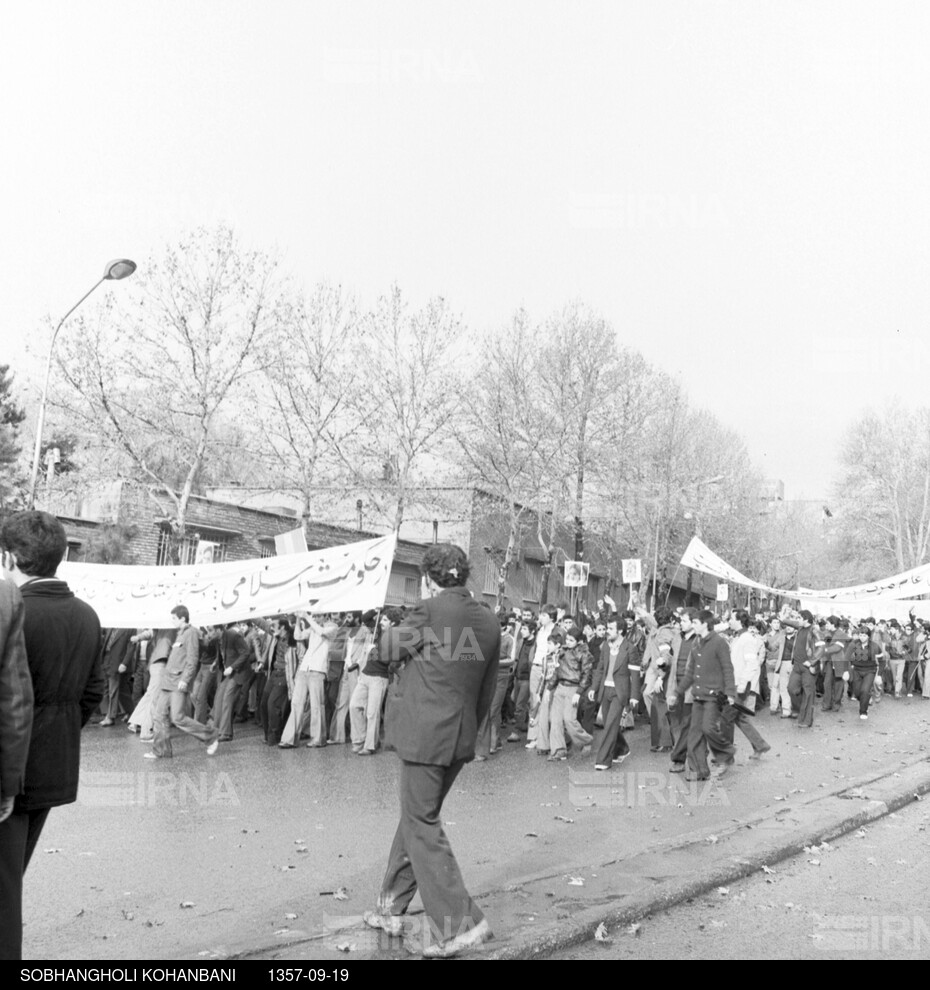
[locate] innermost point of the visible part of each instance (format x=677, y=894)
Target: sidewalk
x=539, y=913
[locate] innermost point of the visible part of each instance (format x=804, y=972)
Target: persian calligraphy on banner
x=906, y=585
x=345, y=578
x=699, y=556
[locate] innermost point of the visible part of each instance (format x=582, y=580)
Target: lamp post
x=115, y=270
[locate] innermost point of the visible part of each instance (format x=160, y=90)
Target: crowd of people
x=319, y=680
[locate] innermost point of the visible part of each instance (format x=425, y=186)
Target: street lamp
x=114, y=271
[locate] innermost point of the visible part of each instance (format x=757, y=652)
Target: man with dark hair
x=62, y=638
x=450, y=646
x=708, y=673
x=610, y=689
x=15, y=726
x=234, y=673
x=368, y=697
x=680, y=714
x=171, y=703
x=805, y=661
x=117, y=656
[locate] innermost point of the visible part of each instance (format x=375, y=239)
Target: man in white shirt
x=310, y=681
x=546, y=620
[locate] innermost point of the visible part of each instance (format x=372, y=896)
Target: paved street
x=863, y=896
x=256, y=835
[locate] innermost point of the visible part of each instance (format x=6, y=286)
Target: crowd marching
x=320, y=679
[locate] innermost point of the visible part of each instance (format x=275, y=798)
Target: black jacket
x=63, y=648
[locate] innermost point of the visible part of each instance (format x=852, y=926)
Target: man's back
x=62, y=636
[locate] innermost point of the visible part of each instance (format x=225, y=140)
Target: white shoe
x=863, y=717
x=149, y=756
x=461, y=943
x=601, y=766
x=531, y=745
x=213, y=747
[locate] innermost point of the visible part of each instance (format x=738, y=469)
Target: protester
x=62, y=640
x=174, y=698
x=16, y=708
x=433, y=716
x=367, y=700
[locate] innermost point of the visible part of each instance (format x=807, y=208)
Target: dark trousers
x=421, y=857
x=489, y=731
x=119, y=690
x=833, y=685
x=708, y=732
x=274, y=707
x=910, y=676
x=862, y=681
x=205, y=694
x=735, y=718
x=801, y=687
x=18, y=837
x=261, y=679
x=587, y=714
x=612, y=744
x=680, y=717
x=661, y=730
x=140, y=682
x=331, y=695
x=521, y=705
x=224, y=706
x=764, y=688
x=241, y=713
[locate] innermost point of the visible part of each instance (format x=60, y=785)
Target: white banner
x=699, y=556
x=906, y=585
x=887, y=609
x=632, y=570
x=345, y=578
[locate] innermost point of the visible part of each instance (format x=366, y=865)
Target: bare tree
x=412, y=366
x=311, y=404
x=154, y=378
x=508, y=434
x=884, y=489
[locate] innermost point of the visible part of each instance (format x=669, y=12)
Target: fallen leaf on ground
x=767, y=869
x=346, y=947
x=341, y=894
x=187, y=904
x=723, y=891
x=78, y=915
x=289, y=866
x=634, y=929
x=860, y=834
x=600, y=933
x=576, y=881
x=128, y=915
x=290, y=917
x=713, y=839
x=302, y=849
x=531, y=835
x=283, y=931
x=52, y=850
x=814, y=862
x=562, y=818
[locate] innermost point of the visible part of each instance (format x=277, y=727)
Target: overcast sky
x=740, y=187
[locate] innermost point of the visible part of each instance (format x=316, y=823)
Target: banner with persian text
x=351, y=577
x=699, y=556
x=905, y=585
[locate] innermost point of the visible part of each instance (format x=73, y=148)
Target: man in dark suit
x=62, y=636
x=116, y=660
x=610, y=688
x=450, y=645
x=15, y=727
x=234, y=673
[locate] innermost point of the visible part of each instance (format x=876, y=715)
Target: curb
x=740, y=850
x=832, y=820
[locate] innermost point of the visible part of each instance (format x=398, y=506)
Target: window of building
x=532, y=580
x=266, y=549
x=73, y=551
x=187, y=550
x=491, y=577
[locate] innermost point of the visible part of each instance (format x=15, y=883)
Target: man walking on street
x=171, y=704
x=450, y=645
x=15, y=728
x=709, y=672
x=62, y=637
